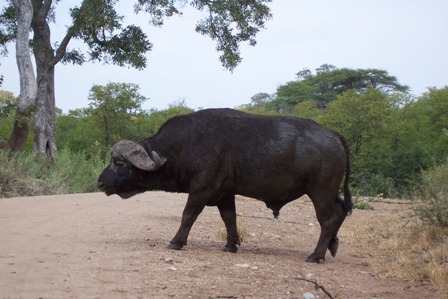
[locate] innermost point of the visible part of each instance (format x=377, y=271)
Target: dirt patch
x=93, y=246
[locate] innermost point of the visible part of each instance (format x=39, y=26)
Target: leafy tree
x=365, y=118
x=76, y=132
x=307, y=109
x=157, y=118
x=329, y=82
x=427, y=123
x=260, y=104
x=113, y=110
x=97, y=23
x=115, y=113
x=360, y=117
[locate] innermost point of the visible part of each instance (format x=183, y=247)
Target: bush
x=20, y=175
x=23, y=174
x=375, y=185
x=433, y=207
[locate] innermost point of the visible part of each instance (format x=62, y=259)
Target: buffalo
x=215, y=154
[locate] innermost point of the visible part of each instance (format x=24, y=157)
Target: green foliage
x=23, y=174
x=228, y=22
x=8, y=28
x=157, y=118
x=225, y=17
x=260, y=104
x=429, y=116
x=113, y=109
x=115, y=113
x=8, y=103
x=359, y=116
x=362, y=204
x=307, y=109
x=374, y=184
x=434, y=196
x=98, y=24
x=329, y=82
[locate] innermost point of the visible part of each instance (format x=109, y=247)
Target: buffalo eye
x=120, y=166
x=119, y=163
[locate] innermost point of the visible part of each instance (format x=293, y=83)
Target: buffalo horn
x=137, y=155
x=158, y=160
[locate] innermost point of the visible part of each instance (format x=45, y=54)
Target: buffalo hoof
x=232, y=249
x=175, y=246
x=313, y=259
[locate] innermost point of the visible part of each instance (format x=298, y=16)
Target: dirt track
x=93, y=246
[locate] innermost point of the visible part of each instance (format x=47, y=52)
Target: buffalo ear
x=135, y=154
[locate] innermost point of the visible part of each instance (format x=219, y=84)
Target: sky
x=407, y=38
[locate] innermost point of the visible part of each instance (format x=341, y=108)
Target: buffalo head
x=128, y=169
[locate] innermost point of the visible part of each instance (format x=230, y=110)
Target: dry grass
x=242, y=229
x=402, y=247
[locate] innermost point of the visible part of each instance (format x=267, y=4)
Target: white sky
x=407, y=38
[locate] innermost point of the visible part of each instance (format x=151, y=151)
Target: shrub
x=20, y=175
x=375, y=185
x=433, y=206
x=23, y=174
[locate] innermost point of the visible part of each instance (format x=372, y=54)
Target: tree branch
x=317, y=286
x=60, y=52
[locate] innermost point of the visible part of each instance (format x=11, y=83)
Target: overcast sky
x=407, y=38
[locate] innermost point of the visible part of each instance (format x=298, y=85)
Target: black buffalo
x=215, y=154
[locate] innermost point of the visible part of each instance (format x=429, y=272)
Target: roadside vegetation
x=399, y=149
x=413, y=245
x=23, y=174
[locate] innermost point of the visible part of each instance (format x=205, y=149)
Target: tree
x=329, y=82
x=364, y=118
x=429, y=115
x=113, y=110
x=28, y=85
x=259, y=104
x=97, y=23
x=360, y=117
x=8, y=104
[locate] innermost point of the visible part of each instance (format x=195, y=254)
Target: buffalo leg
x=342, y=213
x=330, y=215
x=228, y=214
x=191, y=212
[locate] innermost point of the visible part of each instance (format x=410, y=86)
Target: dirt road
x=93, y=246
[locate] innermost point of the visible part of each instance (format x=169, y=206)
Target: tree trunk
x=45, y=116
x=28, y=86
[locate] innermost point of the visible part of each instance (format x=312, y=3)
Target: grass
x=413, y=245
x=363, y=203
x=23, y=174
x=242, y=229
x=401, y=246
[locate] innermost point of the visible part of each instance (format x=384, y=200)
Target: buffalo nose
x=100, y=185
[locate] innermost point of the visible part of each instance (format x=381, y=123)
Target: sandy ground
x=93, y=246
